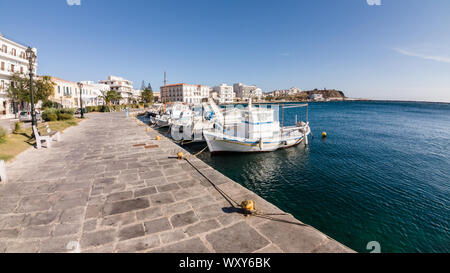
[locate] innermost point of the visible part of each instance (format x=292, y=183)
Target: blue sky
x=397, y=50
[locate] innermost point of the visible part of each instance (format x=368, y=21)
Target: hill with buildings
x=310, y=95
x=326, y=94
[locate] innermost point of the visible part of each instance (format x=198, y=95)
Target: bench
x=3, y=176
x=54, y=135
x=40, y=139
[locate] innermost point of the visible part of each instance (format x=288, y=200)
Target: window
x=3, y=66
x=21, y=70
x=13, y=52
x=2, y=85
x=12, y=68
x=4, y=48
x=59, y=89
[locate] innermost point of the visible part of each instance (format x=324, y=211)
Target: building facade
x=316, y=97
x=225, y=93
x=182, y=92
x=121, y=85
x=12, y=59
x=243, y=91
x=67, y=93
x=157, y=96
x=285, y=92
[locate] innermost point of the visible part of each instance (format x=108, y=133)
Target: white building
x=225, y=93
x=136, y=95
x=183, y=92
x=101, y=87
x=243, y=91
x=121, y=85
x=316, y=97
x=286, y=92
x=67, y=93
x=12, y=59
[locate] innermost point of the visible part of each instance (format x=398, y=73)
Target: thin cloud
x=285, y=54
x=442, y=59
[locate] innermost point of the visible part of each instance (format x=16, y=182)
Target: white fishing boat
x=172, y=113
x=190, y=128
x=256, y=130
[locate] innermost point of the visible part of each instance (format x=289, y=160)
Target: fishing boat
x=173, y=112
x=256, y=129
x=191, y=127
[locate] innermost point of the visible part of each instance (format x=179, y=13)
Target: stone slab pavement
x=108, y=186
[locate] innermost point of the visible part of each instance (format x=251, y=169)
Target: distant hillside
x=326, y=93
x=331, y=94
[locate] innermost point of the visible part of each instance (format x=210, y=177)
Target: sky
x=376, y=49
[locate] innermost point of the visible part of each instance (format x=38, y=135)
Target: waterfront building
x=182, y=92
x=243, y=91
x=285, y=92
x=135, y=96
x=316, y=97
x=101, y=87
x=121, y=85
x=225, y=93
x=156, y=96
x=12, y=59
x=67, y=93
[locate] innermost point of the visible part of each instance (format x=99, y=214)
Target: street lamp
x=80, y=85
x=31, y=56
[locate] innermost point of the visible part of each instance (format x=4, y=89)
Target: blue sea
x=382, y=174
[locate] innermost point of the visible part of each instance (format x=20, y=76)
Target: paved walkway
x=100, y=190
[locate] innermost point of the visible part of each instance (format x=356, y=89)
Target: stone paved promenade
x=102, y=190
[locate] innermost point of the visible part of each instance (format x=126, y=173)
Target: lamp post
x=80, y=85
x=31, y=56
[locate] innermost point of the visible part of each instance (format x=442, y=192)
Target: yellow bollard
x=248, y=206
x=180, y=155
x=157, y=138
x=324, y=134
x=147, y=130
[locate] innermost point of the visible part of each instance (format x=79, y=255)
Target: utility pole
x=165, y=83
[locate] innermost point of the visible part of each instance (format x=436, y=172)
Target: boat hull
x=218, y=144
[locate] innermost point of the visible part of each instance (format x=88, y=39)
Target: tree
x=19, y=89
x=16, y=89
x=269, y=97
x=143, y=85
x=147, y=94
x=112, y=96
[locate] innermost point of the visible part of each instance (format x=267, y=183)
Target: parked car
x=25, y=116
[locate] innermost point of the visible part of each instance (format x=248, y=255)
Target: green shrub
x=104, y=108
x=92, y=108
x=50, y=114
x=17, y=126
x=3, y=134
x=67, y=111
x=49, y=117
x=64, y=116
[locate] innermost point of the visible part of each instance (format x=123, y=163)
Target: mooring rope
x=201, y=151
x=224, y=194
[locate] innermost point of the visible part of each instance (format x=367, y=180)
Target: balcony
x=17, y=58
